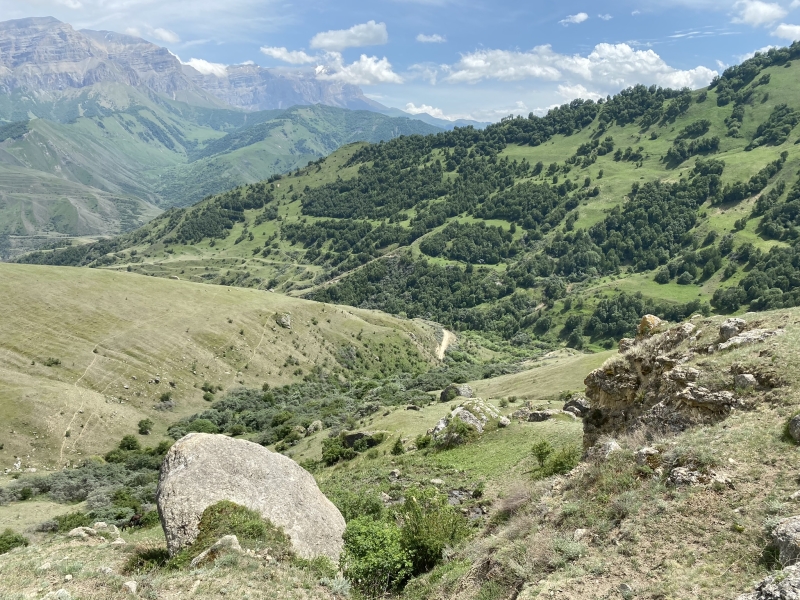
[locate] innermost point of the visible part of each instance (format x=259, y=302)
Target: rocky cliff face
x=47, y=57
x=253, y=88
x=655, y=382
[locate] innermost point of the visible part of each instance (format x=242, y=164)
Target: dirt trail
x=448, y=337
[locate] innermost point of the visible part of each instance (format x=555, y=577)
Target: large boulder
x=786, y=538
x=793, y=428
x=455, y=390
x=202, y=469
x=782, y=585
x=577, y=404
x=476, y=414
x=731, y=328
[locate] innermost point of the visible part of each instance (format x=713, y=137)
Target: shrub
x=202, y=426
x=72, y=520
x=397, y=448
x=541, y=451
x=430, y=525
x=9, y=539
x=455, y=434
x=373, y=557
x=145, y=426
x=334, y=450
x=129, y=442
x=228, y=518
x=423, y=441
x=561, y=462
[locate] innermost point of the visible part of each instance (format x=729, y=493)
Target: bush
x=423, y=441
x=561, y=462
x=9, y=539
x=430, y=525
x=455, y=434
x=334, y=450
x=373, y=557
x=129, y=442
x=397, y=448
x=228, y=518
x=145, y=426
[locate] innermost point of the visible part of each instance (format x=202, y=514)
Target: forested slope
x=562, y=229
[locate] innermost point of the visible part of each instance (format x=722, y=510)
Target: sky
x=475, y=59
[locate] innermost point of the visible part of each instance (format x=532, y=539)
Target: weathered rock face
x=647, y=326
x=648, y=387
x=202, y=469
x=577, y=405
x=475, y=413
x=783, y=585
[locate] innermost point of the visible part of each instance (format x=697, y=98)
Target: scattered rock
x=437, y=482
x=786, y=538
x=105, y=570
x=730, y=328
x=61, y=594
x=284, y=320
x=626, y=344
x=579, y=534
x=118, y=542
x=648, y=456
x=67, y=577
x=475, y=413
x=647, y=326
x=783, y=585
x=454, y=391
x=745, y=381
x=521, y=413
x=385, y=498
x=394, y=474
x=577, y=404
x=100, y=525
x=315, y=427
x=793, y=428
x=202, y=469
x=413, y=407
x=537, y=416
x=748, y=337
x=603, y=450
x=503, y=422
x=684, y=476
x=227, y=543
x=131, y=586
x=82, y=532
x=795, y=497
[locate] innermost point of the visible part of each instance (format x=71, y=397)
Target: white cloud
x=795, y=4
x=431, y=39
x=73, y=4
x=570, y=92
x=294, y=57
x=207, y=68
x=574, y=19
x=429, y=110
x=757, y=13
x=133, y=31
x=612, y=66
x=608, y=17
x=744, y=57
x=365, y=34
x=636, y=13
x=787, y=32
x=165, y=35
x=367, y=70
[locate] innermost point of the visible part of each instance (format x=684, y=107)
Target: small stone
x=745, y=381
x=794, y=428
x=82, y=532
x=503, y=422
x=579, y=534
x=394, y=474
x=46, y=566
x=386, y=498
x=795, y=497
x=647, y=456
x=625, y=589
x=100, y=525
x=118, y=542
x=105, y=570
x=131, y=587
x=61, y=594
x=67, y=577
x=437, y=482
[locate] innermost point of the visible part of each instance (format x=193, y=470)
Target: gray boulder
x=227, y=543
x=786, y=538
x=454, y=391
x=730, y=328
x=783, y=585
x=202, y=469
x=577, y=405
x=745, y=381
x=794, y=428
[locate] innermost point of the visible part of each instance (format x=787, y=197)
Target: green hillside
x=139, y=151
x=536, y=231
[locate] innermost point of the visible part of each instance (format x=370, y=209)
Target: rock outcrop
x=649, y=387
x=783, y=585
x=786, y=538
x=202, y=469
x=577, y=404
x=476, y=414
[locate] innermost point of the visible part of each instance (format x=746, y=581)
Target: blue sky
x=478, y=59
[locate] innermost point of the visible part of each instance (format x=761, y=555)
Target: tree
x=145, y=426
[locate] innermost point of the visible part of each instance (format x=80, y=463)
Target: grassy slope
x=107, y=328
